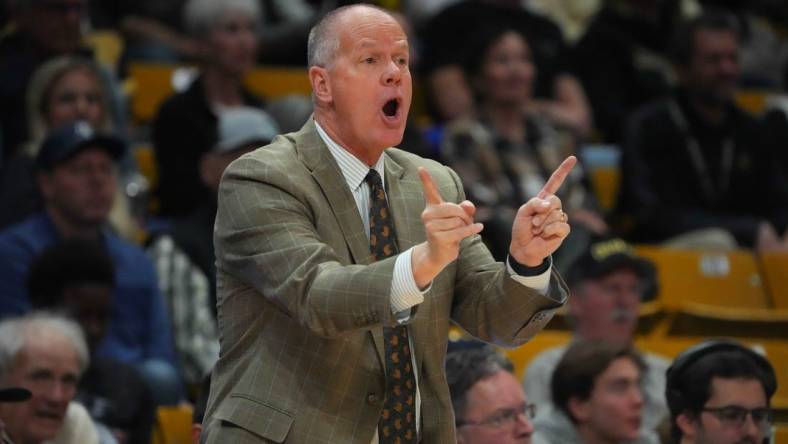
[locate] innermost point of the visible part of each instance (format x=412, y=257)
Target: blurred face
x=89, y=305
x=713, y=71
x=364, y=95
x=232, y=43
x=724, y=426
x=495, y=412
x=76, y=95
x=508, y=71
x=61, y=33
x=613, y=411
x=81, y=189
x=48, y=366
x=607, y=308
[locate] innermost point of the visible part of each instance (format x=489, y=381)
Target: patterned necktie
x=397, y=422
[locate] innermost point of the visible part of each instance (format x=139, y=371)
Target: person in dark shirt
x=695, y=161
x=76, y=277
x=185, y=127
x=622, y=60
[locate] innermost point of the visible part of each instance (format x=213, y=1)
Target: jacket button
x=373, y=399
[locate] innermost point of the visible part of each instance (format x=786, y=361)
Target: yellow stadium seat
x=753, y=100
x=523, y=354
x=107, y=46
x=173, y=425
x=775, y=271
x=605, y=182
x=689, y=278
x=151, y=83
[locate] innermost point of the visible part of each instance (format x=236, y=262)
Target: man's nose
x=523, y=425
x=393, y=73
x=750, y=428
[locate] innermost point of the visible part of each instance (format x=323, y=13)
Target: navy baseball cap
x=66, y=141
x=14, y=394
x=608, y=254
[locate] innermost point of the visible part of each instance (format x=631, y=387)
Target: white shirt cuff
x=404, y=292
x=540, y=282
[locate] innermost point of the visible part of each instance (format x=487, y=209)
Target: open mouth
x=391, y=107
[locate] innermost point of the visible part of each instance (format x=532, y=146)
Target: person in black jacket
x=185, y=127
x=695, y=162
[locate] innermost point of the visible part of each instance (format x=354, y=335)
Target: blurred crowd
x=507, y=89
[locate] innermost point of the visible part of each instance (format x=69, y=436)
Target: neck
x=711, y=111
x=369, y=157
x=221, y=87
x=507, y=120
x=589, y=436
x=69, y=229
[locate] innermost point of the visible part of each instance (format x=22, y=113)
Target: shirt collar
x=352, y=168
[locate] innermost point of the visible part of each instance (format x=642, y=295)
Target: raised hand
x=446, y=224
x=540, y=225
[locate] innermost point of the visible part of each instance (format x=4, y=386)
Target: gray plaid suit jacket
x=301, y=305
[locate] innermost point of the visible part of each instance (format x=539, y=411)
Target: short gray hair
x=200, y=16
x=16, y=332
x=323, y=42
x=465, y=367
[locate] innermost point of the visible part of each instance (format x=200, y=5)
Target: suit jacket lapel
x=315, y=155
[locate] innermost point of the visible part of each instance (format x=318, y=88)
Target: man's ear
x=580, y=409
x=687, y=423
x=321, y=87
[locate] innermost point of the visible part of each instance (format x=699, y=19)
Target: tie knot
x=373, y=179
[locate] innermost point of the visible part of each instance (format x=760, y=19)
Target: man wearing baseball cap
x=76, y=175
x=607, y=283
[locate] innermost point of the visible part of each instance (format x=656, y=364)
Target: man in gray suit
x=311, y=284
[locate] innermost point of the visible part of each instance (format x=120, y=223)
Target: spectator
x=76, y=277
x=597, y=397
x=693, y=161
x=76, y=177
x=446, y=37
x=43, y=29
x=185, y=258
x=186, y=125
x=622, y=59
x=489, y=404
x=11, y=394
x=45, y=354
x=508, y=152
x=62, y=90
x=719, y=392
x=607, y=284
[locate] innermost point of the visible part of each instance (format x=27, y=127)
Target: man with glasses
x=597, y=397
x=719, y=392
x=489, y=404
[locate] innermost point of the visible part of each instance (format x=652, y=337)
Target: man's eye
x=369, y=60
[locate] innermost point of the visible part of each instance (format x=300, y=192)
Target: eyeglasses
x=735, y=416
x=504, y=418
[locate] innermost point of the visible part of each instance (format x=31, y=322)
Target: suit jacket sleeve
x=492, y=306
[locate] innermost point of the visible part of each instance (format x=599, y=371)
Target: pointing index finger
x=558, y=177
x=431, y=193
